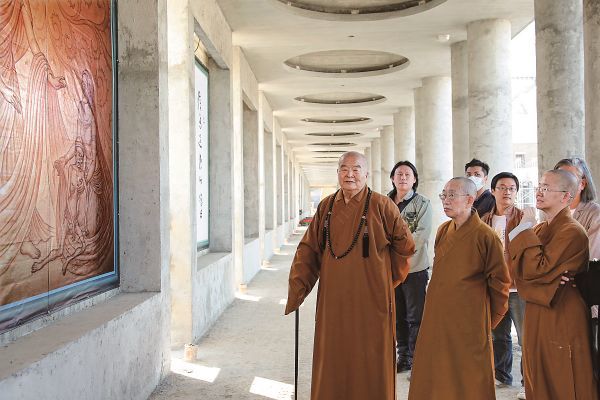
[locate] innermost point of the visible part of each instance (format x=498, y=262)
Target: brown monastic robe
x=466, y=297
x=557, y=360
x=354, y=352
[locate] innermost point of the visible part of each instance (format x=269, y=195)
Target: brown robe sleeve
x=498, y=280
x=537, y=268
x=306, y=265
x=402, y=244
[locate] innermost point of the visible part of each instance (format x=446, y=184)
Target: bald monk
x=358, y=246
x=466, y=298
x=557, y=361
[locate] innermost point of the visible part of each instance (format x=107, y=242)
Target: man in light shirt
x=503, y=218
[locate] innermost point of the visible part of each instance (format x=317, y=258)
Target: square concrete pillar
x=250, y=171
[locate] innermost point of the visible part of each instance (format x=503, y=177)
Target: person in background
x=477, y=171
x=557, y=362
x=586, y=211
x=415, y=209
x=503, y=218
x=466, y=298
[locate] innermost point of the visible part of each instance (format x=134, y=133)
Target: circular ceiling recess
x=333, y=144
x=347, y=63
x=333, y=134
x=358, y=10
x=341, y=98
x=337, y=120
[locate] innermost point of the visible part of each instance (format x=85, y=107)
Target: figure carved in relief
x=80, y=186
x=24, y=135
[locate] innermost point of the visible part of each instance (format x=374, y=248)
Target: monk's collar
x=473, y=218
x=358, y=197
x=563, y=214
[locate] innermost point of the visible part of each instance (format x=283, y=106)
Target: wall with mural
x=56, y=155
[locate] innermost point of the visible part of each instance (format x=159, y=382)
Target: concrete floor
x=249, y=353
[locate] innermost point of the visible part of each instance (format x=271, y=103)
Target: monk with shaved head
x=357, y=246
x=466, y=298
x=557, y=360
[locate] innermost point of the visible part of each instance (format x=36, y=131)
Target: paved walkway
x=249, y=353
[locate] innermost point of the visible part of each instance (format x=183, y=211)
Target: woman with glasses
x=415, y=209
x=503, y=218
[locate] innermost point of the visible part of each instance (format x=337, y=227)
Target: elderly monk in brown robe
x=557, y=361
x=466, y=298
x=357, y=246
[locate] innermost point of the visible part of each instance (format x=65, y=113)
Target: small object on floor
x=521, y=394
x=500, y=385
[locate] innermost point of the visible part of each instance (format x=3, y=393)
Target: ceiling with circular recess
x=325, y=42
x=334, y=134
x=347, y=62
x=356, y=10
x=333, y=144
x=337, y=120
x=341, y=98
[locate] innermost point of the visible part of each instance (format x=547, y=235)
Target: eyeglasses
x=544, y=189
x=509, y=189
x=450, y=196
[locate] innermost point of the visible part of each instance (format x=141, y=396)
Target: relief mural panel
x=56, y=148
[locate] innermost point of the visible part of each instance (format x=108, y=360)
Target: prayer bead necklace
x=363, y=221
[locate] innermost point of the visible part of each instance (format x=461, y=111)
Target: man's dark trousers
x=410, y=301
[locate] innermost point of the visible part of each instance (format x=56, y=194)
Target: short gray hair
x=356, y=154
x=466, y=185
x=589, y=191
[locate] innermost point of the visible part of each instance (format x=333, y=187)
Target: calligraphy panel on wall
x=57, y=166
x=201, y=154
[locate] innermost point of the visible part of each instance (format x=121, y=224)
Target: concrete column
x=181, y=169
x=286, y=188
x=387, y=157
x=376, y=164
x=370, y=164
x=237, y=165
x=144, y=164
x=436, y=138
x=251, y=173
x=261, y=176
x=460, y=106
x=269, y=193
x=279, y=187
x=404, y=134
x=220, y=169
x=307, y=199
x=559, y=78
x=591, y=39
x=417, y=95
x=490, y=101
x=290, y=180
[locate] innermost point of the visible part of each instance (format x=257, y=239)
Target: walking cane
x=296, y=356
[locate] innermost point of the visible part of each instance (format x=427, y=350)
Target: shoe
x=500, y=385
x=403, y=367
x=521, y=394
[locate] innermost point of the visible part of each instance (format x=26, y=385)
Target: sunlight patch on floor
x=247, y=297
x=272, y=389
x=191, y=370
